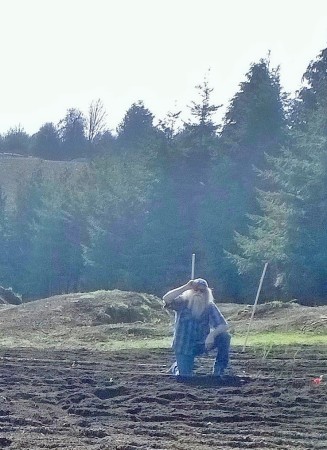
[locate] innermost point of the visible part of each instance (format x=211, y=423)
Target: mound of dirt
x=104, y=317
x=84, y=310
x=8, y=296
x=281, y=316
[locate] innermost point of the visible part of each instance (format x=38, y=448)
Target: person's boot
x=218, y=371
x=173, y=369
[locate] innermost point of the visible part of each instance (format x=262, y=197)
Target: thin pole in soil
x=193, y=266
x=255, y=304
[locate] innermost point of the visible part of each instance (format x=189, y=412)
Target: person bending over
x=199, y=327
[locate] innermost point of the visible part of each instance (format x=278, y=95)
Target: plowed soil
x=127, y=401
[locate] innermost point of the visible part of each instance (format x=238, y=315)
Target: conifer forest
x=248, y=190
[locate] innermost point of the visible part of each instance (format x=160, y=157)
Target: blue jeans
x=185, y=363
x=222, y=344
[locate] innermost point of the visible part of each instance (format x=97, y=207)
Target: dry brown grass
x=13, y=169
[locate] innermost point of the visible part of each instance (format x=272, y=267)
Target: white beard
x=197, y=302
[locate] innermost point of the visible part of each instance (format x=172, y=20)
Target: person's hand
x=190, y=284
x=209, y=342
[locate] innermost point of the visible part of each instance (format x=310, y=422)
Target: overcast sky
x=60, y=54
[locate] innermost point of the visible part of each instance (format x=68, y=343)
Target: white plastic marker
x=193, y=266
x=255, y=303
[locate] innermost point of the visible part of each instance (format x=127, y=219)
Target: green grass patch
x=278, y=338
x=41, y=341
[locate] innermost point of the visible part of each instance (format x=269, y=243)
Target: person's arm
x=171, y=295
x=219, y=325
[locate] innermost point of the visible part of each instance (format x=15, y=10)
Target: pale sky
x=60, y=54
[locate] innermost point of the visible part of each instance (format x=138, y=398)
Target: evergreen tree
x=160, y=250
x=254, y=127
x=221, y=213
x=169, y=125
x=5, y=236
x=199, y=137
x=254, y=123
x=56, y=262
x=16, y=140
x=28, y=199
x=72, y=135
x=103, y=144
x=46, y=143
x=313, y=94
x=190, y=164
x=136, y=132
x=119, y=191
x=291, y=232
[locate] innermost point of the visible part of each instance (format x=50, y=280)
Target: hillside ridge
x=104, y=316
x=15, y=168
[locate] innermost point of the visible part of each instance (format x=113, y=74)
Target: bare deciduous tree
x=96, y=121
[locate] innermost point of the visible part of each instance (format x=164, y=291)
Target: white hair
x=198, y=301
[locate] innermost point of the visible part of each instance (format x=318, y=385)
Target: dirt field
x=126, y=401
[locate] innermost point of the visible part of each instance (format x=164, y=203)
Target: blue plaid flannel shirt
x=190, y=333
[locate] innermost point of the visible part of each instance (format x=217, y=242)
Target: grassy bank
x=277, y=338
x=267, y=339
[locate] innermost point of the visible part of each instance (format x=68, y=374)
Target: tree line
x=75, y=136
x=250, y=190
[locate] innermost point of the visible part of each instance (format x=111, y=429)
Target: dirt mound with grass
x=84, y=319
x=281, y=316
x=103, y=318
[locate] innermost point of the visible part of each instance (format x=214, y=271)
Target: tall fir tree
x=56, y=260
x=313, y=93
x=253, y=127
x=120, y=191
x=255, y=120
x=290, y=232
x=190, y=165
